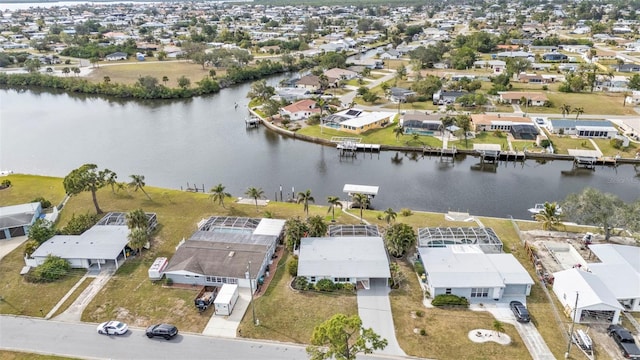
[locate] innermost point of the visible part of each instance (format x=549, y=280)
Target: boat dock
x=348, y=146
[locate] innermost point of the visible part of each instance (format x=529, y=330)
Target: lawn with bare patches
x=130, y=72
x=289, y=315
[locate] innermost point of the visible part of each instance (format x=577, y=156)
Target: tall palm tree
x=137, y=219
x=362, y=200
x=255, y=193
x=550, y=216
x=137, y=182
x=138, y=238
x=333, y=202
x=566, y=109
x=398, y=131
x=579, y=111
x=390, y=215
x=305, y=197
x=218, y=194
x=111, y=179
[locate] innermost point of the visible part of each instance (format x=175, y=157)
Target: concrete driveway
x=374, y=309
x=227, y=326
x=528, y=332
x=7, y=246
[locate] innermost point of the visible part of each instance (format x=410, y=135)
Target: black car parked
x=521, y=312
x=163, y=330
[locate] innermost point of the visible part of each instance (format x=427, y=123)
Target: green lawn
x=562, y=144
x=608, y=150
x=384, y=136
x=14, y=355
x=592, y=103
x=288, y=315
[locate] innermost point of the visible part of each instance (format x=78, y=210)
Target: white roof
x=269, y=227
x=99, y=242
x=583, y=153
x=349, y=256
x=360, y=189
x=591, y=290
x=610, y=253
x=466, y=266
x=18, y=209
x=366, y=119
x=226, y=293
x=619, y=270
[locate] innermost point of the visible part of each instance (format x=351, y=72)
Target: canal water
x=203, y=141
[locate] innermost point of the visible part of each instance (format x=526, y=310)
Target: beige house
x=515, y=97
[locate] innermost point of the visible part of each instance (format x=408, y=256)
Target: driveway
x=7, y=246
x=374, y=309
x=74, y=312
x=227, y=326
x=528, y=332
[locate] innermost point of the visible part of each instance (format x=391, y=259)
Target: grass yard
x=562, y=144
x=608, y=150
x=14, y=355
x=27, y=187
x=592, y=103
x=487, y=137
x=446, y=330
x=85, y=283
x=418, y=105
x=417, y=219
x=128, y=73
x=286, y=315
x=383, y=136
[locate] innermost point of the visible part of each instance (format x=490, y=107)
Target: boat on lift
x=538, y=208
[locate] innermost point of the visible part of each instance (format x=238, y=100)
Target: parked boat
x=583, y=341
x=538, y=208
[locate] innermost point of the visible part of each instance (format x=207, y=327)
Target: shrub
x=545, y=87
x=325, y=285
x=292, y=266
x=498, y=133
x=419, y=268
x=168, y=281
x=545, y=143
x=43, y=202
x=449, y=300
x=616, y=143
x=78, y=225
x=423, y=332
x=419, y=313
x=52, y=269
x=406, y=212
x=561, y=131
x=301, y=283
x=5, y=183
x=348, y=287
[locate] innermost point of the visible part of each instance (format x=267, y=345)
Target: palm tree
x=566, y=109
x=218, y=194
x=138, y=238
x=362, y=200
x=305, y=197
x=579, y=111
x=255, y=193
x=390, y=215
x=550, y=216
x=66, y=71
x=464, y=123
x=398, y=131
x=498, y=327
x=137, y=219
x=333, y=202
x=137, y=182
x=111, y=179
x=165, y=79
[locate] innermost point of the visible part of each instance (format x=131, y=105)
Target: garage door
x=2, y=234
x=17, y=231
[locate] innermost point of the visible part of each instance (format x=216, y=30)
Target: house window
x=479, y=292
x=312, y=279
x=341, y=279
x=447, y=291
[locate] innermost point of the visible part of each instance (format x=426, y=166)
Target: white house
x=583, y=128
x=619, y=270
x=16, y=220
x=348, y=259
x=116, y=56
x=596, y=304
x=466, y=271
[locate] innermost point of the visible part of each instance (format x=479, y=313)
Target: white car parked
x=113, y=328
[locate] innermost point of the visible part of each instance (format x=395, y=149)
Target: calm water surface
x=204, y=141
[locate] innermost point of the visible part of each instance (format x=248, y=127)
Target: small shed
x=156, y=271
x=226, y=299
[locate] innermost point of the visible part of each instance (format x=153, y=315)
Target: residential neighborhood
x=509, y=83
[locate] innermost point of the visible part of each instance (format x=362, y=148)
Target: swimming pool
x=419, y=132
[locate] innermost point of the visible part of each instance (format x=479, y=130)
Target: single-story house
x=442, y=97
x=619, y=270
x=493, y=122
x=583, y=128
x=515, y=97
x=466, y=271
x=104, y=243
x=293, y=93
x=347, y=259
x=539, y=78
x=358, y=121
x=628, y=68
x=300, y=110
x=312, y=82
x=397, y=94
x=596, y=303
x=540, y=48
x=116, y=56
x=554, y=57
x=390, y=54
x=421, y=123
x=343, y=74
x=226, y=250
x=498, y=66
x=15, y=220
x=515, y=54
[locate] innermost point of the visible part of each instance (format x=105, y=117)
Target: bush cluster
x=52, y=269
x=43, y=202
x=449, y=300
x=78, y=225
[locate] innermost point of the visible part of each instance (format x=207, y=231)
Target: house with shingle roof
x=300, y=110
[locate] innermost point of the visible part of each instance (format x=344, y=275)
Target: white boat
x=583, y=341
x=538, y=208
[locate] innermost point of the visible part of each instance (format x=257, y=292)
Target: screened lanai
x=353, y=230
x=484, y=237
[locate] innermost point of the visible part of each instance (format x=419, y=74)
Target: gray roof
x=17, y=215
x=209, y=258
x=466, y=266
x=353, y=257
x=567, y=123
x=233, y=238
x=99, y=242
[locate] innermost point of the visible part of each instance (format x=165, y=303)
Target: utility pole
x=573, y=322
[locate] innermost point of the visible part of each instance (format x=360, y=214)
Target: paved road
x=35, y=335
x=374, y=309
